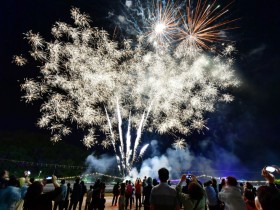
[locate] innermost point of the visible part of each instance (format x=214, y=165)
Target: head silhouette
x=163, y=174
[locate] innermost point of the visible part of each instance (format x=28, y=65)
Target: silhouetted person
x=116, y=192
x=67, y=198
x=83, y=192
x=89, y=197
x=147, y=193
x=4, y=176
x=35, y=199
x=76, y=194
x=95, y=195
x=163, y=197
x=268, y=197
x=196, y=197
x=121, y=201
x=128, y=195
x=231, y=195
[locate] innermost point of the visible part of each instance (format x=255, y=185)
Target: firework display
x=160, y=81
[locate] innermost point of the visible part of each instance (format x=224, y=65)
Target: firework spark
x=192, y=27
x=179, y=144
x=92, y=82
x=162, y=26
x=19, y=60
x=157, y=20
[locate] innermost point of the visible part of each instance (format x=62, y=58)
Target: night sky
x=246, y=129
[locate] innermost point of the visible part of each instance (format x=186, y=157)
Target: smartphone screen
x=270, y=169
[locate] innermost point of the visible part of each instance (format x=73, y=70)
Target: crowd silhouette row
x=189, y=194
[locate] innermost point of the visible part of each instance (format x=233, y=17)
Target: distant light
x=27, y=173
x=128, y=3
x=121, y=18
x=159, y=28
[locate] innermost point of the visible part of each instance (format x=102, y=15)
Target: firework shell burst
x=121, y=89
x=195, y=25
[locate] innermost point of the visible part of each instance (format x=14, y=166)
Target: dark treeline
x=20, y=151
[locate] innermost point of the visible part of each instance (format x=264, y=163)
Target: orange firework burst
x=201, y=26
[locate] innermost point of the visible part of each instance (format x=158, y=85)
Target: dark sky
x=248, y=128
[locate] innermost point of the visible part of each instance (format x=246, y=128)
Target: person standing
x=196, y=197
x=10, y=195
x=231, y=195
x=83, y=192
x=144, y=184
x=249, y=199
x=116, y=192
x=95, y=195
x=147, y=193
x=76, y=194
x=67, y=198
x=60, y=199
x=4, y=177
x=63, y=194
x=212, y=199
x=138, y=186
x=122, y=197
x=89, y=196
x=35, y=199
x=102, y=201
x=128, y=194
x=163, y=197
x=268, y=196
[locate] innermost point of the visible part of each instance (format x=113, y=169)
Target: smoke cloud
x=100, y=164
x=213, y=160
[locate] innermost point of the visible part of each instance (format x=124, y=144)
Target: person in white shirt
x=231, y=195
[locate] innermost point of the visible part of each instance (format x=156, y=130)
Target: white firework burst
x=19, y=60
x=179, y=144
x=92, y=82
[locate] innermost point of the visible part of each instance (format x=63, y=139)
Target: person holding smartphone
x=268, y=196
x=35, y=199
x=196, y=197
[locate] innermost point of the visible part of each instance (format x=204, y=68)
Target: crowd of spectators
x=148, y=194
